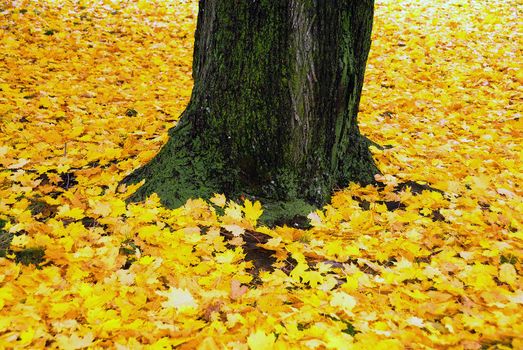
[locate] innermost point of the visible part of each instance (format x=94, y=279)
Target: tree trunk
x=273, y=111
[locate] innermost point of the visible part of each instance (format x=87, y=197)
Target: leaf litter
x=88, y=90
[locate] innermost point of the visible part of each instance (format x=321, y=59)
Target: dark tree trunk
x=273, y=111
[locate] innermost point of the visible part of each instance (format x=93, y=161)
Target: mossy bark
x=273, y=113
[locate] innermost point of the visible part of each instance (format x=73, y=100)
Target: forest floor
x=88, y=90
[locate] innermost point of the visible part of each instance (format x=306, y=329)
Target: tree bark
x=273, y=112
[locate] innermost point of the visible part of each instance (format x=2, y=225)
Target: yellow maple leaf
x=3, y=150
x=75, y=341
x=233, y=211
x=218, y=200
x=228, y=257
x=179, y=299
x=507, y=274
x=26, y=337
x=316, y=218
x=313, y=278
x=299, y=271
x=19, y=164
x=66, y=211
x=237, y=290
x=161, y=344
x=100, y=208
x=343, y=301
x=20, y=241
x=146, y=260
x=252, y=210
x=273, y=242
x=416, y=321
x=234, y=229
x=259, y=340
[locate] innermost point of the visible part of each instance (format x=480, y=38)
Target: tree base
x=178, y=172
x=183, y=169
x=292, y=213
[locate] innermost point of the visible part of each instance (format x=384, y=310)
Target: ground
x=87, y=94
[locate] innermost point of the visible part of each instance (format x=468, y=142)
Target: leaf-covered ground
x=88, y=90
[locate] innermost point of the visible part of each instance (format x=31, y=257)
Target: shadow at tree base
x=298, y=217
x=263, y=259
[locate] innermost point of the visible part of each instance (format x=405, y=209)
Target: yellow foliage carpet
x=88, y=90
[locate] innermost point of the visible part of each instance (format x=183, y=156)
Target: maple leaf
x=252, y=211
x=259, y=340
x=416, y=321
x=507, y=273
x=67, y=211
x=179, y=299
x=237, y=290
x=227, y=257
x=236, y=230
x=19, y=163
x=26, y=337
x=100, y=208
x=219, y=200
x=316, y=218
x=343, y=301
x=75, y=341
x=3, y=150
